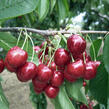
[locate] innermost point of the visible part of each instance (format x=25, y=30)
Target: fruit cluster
x=49, y=75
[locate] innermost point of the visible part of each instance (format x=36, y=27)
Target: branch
x=50, y=32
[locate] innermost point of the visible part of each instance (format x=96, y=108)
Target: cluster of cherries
x=49, y=76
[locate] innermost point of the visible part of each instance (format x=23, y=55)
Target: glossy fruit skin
x=61, y=68
x=76, y=44
x=76, y=69
x=2, y=65
x=16, y=57
x=52, y=65
x=61, y=57
x=38, y=91
x=38, y=84
x=9, y=67
x=91, y=69
x=27, y=72
x=57, y=79
x=68, y=77
x=51, y=91
x=37, y=49
x=44, y=73
x=83, y=106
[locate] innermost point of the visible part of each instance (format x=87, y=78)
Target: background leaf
x=53, y=2
x=13, y=8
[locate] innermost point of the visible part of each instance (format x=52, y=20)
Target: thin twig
x=50, y=32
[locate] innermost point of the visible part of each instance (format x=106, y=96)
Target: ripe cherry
x=27, y=72
x=61, y=68
x=37, y=90
x=38, y=84
x=91, y=69
x=83, y=106
x=37, y=49
x=68, y=77
x=9, y=67
x=76, y=44
x=84, y=83
x=44, y=73
x=76, y=69
x=46, y=50
x=57, y=79
x=2, y=65
x=61, y=57
x=16, y=57
x=52, y=65
x=51, y=91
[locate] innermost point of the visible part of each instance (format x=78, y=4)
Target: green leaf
x=43, y=9
x=3, y=101
x=63, y=9
x=106, y=53
x=75, y=91
x=13, y=8
x=62, y=101
x=53, y=2
x=97, y=44
x=98, y=85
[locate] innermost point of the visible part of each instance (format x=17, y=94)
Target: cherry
x=88, y=58
x=16, y=57
x=44, y=73
x=9, y=67
x=46, y=50
x=84, y=83
x=61, y=57
x=27, y=72
x=52, y=65
x=76, y=69
x=37, y=90
x=91, y=69
x=37, y=49
x=57, y=79
x=2, y=65
x=68, y=77
x=38, y=84
x=61, y=68
x=51, y=91
x=76, y=44
x=83, y=106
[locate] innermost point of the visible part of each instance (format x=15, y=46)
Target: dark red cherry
x=51, y=91
x=37, y=90
x=16, y=57
x=9, y=67
x=83, y=106
x=68, y=77
x=27, y=72
x=61, y=57
x=52, y=65
x=2, y=65
x=84, y=83
x=57, y=79
x=61, y=68
x=91, y=69
x=76, y=69
x=88, y=58
x=76, y=44
x=38, y=84
x=37, y=49
x=44, y=73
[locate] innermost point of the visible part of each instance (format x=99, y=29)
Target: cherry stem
x=19, y=37
x=43, y=54
x=92, y=47
x=32, y=46
x=72, y=58
x=84, y=57
x=6, y=44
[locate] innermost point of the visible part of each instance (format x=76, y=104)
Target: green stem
x=43, y=54
x=19, y=37
x=84, y=57
x=92, y=47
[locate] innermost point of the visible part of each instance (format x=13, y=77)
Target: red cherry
x=57, y=79
x=88, y=58
x=84, y=83
x=76, y=69
x=46, y=50
x=76, y=44
x=37, y=49
x=61, y=57
x=40, y=62
x=83, y=106
x=91, y=69
x=44, y=73
x=38, y=84
x=2, y=65
x=51, y=91
x=16, y=57
x=52, y=66
x=27, y=72
x=68, y=77
x=61, y=68
x=9, y=67
x=37, y=90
